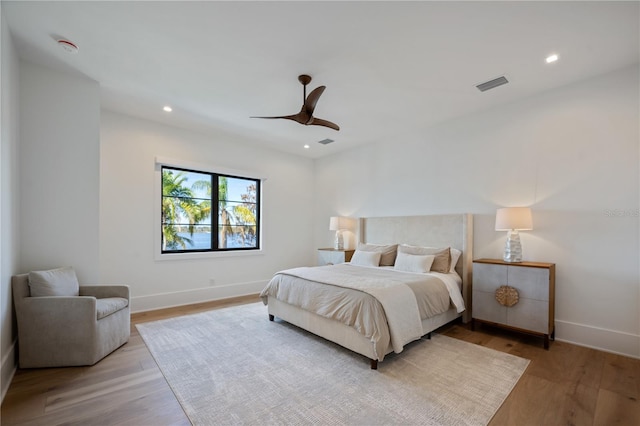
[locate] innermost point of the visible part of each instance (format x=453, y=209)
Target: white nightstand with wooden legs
x=518, y=296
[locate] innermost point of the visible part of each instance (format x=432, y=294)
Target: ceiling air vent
x=483, y=87
x=326, y=141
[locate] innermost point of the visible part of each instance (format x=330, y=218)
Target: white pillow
x=442, y=262
x=388, y=252
x=455, y=255
x=54, y=282
x=414, y=262
x=366, y=258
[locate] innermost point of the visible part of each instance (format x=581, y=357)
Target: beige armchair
x=81, y=329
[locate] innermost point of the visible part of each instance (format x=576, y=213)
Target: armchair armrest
x=102, y=291
x=52, y=315
x=48, y=325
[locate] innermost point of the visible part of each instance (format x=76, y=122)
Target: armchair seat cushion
x=109, y=305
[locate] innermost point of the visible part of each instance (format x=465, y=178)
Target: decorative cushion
x=414, y=262
x=442, y=261
x=54, y=282
x=109, y=305
x=388, y=252
x=366, y=258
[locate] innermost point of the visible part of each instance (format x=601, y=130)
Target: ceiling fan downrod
x=304, y=79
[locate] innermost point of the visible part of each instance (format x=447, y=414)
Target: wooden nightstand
x=527, y=303
x=330, y=256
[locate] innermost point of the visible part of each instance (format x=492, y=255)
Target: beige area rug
x=234, y=366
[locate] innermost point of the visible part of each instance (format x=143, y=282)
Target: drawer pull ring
x=507, y=296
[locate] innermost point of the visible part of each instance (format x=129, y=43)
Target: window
x=204, y=211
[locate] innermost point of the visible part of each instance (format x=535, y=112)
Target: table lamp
x=338, y=224
x=513, y=219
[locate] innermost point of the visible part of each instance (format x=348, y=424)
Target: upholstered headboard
x=450, y=230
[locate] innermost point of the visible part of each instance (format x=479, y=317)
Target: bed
x=284, y=293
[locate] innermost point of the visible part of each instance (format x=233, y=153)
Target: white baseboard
x=613, y=341
x=8, y=368
x=188, y=297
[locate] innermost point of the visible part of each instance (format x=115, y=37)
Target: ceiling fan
x=305, y=116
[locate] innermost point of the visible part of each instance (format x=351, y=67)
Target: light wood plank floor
x=567, y=385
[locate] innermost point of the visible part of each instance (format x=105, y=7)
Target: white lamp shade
x=518, y=218
x=337, y=223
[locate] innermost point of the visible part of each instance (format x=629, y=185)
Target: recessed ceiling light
x=306, y=146
x=68, y=46
x=167, y=108
x=552, y=58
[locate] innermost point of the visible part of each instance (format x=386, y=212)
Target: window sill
x=207, y=255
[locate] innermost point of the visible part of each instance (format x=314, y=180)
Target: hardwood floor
x=566, y=385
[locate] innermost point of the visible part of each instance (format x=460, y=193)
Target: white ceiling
x=391, y=68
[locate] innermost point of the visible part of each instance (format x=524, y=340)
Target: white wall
x=9, y=241
x=129, y=147
x=571, y=154
x=59, y=171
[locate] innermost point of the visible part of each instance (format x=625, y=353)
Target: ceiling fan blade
x=312, y=100
x=325, y=123
x=300, y=117
x=290, y=117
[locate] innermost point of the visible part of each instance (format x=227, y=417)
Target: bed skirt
x=345, y=335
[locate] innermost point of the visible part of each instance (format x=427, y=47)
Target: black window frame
x=214, y=222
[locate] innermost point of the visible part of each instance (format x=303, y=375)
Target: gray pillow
x=54, y=282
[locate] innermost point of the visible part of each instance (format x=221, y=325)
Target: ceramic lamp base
x=513, y=248
x=339, y=241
